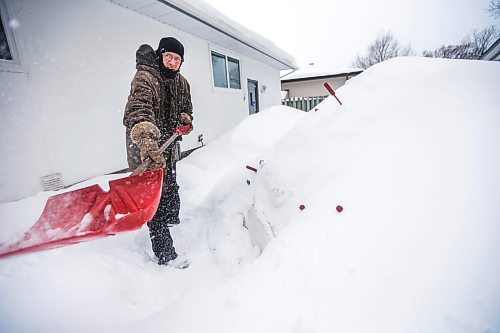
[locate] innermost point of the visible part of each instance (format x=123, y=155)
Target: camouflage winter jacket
x=155, y=99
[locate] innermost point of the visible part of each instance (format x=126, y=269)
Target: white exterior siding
x=218, y=109
x=314, y=87
x=64, y=112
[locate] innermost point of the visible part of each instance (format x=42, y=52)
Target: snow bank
x=412, y=156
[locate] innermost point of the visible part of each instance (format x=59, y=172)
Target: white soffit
x=201, y=20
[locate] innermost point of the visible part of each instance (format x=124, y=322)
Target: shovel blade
x=89, y=213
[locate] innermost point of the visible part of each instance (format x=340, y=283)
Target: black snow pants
x=167, y=214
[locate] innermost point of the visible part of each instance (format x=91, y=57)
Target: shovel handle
x=178, y=132
x=331, y=91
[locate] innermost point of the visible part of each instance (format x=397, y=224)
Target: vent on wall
x=52, y=182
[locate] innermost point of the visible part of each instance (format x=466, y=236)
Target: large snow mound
x=412, y=156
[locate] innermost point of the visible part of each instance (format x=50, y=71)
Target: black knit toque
x=170, y=44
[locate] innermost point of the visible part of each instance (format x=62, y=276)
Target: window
x=9, y=56
x=4, y=45
x=226, y=70
x=234, y=73
x=219, y=68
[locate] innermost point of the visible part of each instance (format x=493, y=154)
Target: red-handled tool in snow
x=89, y=213
x=331, y=91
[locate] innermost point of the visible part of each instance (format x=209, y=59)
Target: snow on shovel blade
x=91, y=212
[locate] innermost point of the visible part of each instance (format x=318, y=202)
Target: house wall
x=308, y=88
x=63, y=112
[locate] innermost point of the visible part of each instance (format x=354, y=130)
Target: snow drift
x=412, y=156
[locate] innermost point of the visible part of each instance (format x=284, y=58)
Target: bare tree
x=385, y=47
x=471, y=47
x=460, y=51
x=494, y=8
x=482, y=40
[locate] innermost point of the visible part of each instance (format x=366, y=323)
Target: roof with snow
x=493, y=52
x=199, y=19
x=312, y=72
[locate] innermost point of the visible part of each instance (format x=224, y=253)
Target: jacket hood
x=146, y=59
x=146, y=56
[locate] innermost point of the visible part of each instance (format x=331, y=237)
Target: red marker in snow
x=251, y=168
x=301, y=207
x=339, y=208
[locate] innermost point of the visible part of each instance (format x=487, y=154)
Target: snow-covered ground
x=413, y=157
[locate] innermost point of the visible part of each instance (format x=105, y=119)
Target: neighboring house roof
x=314, y=73
x=493, y=53
x=201, y=20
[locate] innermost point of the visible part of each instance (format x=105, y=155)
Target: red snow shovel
x=89, y=213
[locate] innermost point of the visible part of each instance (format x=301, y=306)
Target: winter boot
x=180, y=263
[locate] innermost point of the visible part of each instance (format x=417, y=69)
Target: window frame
x=227, y=58
x=14, y=65
x=237, y=61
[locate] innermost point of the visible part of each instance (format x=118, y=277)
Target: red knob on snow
x=339, y=208
x=301, y=207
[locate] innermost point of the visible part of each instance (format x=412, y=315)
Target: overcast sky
x=332, y=32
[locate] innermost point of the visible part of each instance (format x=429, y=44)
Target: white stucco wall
x=311, y=87
x=64, y=112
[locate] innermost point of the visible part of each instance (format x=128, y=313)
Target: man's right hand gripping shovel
x=178, y=132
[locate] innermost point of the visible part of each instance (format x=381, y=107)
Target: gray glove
x=145, y=135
